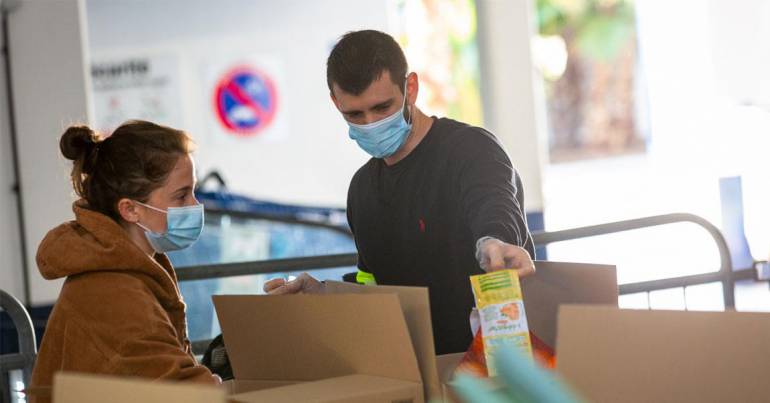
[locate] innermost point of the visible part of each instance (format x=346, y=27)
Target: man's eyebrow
x=380, y=105
x=383, y=104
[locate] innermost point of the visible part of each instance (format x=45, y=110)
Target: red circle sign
x=245, y=101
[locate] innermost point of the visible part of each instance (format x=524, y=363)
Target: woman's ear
x=128, y=211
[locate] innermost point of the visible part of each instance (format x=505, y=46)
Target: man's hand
x=494, y=255
x=304, y=283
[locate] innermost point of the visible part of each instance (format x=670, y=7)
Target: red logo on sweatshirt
x=422, y=225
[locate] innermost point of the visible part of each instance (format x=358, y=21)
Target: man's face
x=381, y=99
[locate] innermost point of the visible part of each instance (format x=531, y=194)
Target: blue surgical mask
x=184, y=227
x=384, y=137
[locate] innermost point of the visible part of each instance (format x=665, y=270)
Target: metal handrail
x=288, y=219
x=725, y=274
x=28, y=350
x=25, y=358
x=265, y=267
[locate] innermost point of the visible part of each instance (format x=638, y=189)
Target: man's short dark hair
x=360, y=58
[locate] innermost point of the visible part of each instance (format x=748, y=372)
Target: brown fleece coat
x=119, y=312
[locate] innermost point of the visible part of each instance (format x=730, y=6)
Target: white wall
x=314, y=163
x=50, y=92
x=10, y=242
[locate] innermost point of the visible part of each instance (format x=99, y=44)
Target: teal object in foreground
x=520, y=380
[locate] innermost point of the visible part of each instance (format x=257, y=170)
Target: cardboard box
x=87, y=388
x=378, y=331
x=347, y=389
x=307, y=338
x=556, y=284
x=83, y=388
x=615, y=355
x=415, y=308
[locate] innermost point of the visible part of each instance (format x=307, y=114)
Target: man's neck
x=421, y=124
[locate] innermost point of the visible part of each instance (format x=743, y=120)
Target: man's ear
x=128, y=210
x=413, y=87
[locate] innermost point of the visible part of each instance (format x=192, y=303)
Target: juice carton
x=501, y=313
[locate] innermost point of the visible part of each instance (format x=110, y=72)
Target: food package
x=501, y=315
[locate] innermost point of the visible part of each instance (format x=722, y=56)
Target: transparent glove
x=494, y=254
x=303, y=284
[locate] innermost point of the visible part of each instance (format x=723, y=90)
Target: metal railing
x=287, y=219
x=206, y=272
x=24, y=360
x=726, y=275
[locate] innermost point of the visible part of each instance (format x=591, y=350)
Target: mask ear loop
x=151, y=208
x=406, y=106
x=411, y=114
x=138, y=224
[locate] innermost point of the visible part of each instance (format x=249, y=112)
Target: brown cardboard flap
x=557, y=283
x=241, y=386
x=613, y=355
x=347, y=389
x=81, y=388
x=416, y=310
x=447, y=364
x=312, y=337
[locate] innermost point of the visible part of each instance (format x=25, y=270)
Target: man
x=438, y=202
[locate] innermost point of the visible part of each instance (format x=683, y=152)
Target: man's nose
x=370, y=118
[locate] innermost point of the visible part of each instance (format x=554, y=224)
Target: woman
x=120, y=311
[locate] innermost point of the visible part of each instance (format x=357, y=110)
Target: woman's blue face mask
x=184, y=227
x=384, y=137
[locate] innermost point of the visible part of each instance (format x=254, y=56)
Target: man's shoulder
x=465, y=139
x=363, y=171
x=360, y=182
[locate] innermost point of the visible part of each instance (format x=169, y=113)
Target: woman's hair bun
x=78, y=142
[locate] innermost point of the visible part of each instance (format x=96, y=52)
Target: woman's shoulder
x=105, y=294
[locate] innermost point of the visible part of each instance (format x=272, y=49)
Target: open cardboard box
x=334, y=348
x=281, y=347
x=616, y=355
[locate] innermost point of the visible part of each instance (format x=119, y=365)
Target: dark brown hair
x=360, y=58
x=132, y=162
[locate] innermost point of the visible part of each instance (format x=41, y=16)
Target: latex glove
x=494, y=254
x=304, y=283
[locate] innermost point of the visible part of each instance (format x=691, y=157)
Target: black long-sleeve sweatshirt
x=416, y=223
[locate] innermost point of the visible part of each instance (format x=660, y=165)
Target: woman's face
x=176, y=192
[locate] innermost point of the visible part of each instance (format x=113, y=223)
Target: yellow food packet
x=501, y=313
